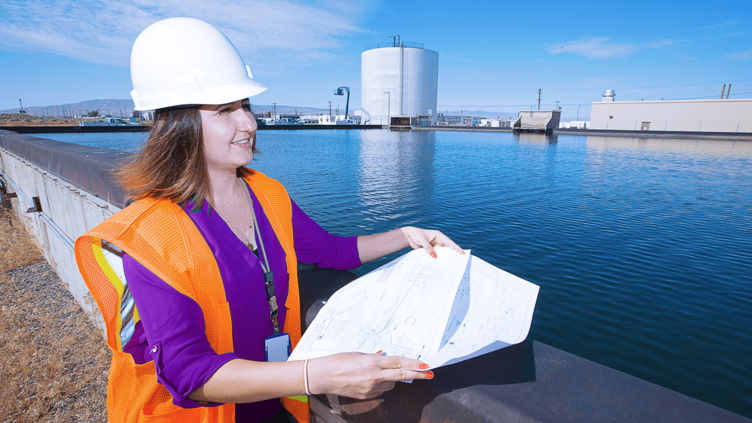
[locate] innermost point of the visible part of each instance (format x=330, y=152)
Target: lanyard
x=271, y=297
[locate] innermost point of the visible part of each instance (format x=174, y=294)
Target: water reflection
x=679, y=145
x=535, y=138
x=396, y=178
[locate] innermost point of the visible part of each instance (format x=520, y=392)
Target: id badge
x=278, y=347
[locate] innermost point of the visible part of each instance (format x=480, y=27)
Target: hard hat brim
x=217, y=95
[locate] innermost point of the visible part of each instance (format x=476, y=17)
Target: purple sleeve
x=314, y=245
x=174, y=327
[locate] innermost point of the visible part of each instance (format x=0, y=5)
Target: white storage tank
x=398, y=79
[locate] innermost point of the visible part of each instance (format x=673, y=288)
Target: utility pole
x=274, y=111
x=557, y=104
x=539, y=93
x=330, y=112
x=578, y=112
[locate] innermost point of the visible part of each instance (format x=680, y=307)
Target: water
x=126, y=141
x=642, y=248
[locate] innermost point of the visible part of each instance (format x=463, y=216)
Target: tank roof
x=392, y=44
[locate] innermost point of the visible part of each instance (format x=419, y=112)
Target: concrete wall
x=684, y=115
x=538, y=120
x=68, y=210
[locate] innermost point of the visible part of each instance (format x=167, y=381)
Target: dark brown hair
x=172, y=163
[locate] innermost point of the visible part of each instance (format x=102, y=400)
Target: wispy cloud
x=279, y=32
x=602, y=47
x=721, y=25
x=741, y=55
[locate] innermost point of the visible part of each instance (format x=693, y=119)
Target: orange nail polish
x=423, y=366
x=379, y=351
x=429, y=375
x=433, y=254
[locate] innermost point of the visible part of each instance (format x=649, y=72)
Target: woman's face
x=229, y=133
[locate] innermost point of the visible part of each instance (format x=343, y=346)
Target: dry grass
x=17, y=119
x=53, y=361
x=16, y=249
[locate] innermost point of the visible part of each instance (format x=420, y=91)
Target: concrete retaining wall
x=71, y=185
x=537, y=120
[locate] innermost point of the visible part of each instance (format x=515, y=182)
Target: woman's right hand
x=361, y=376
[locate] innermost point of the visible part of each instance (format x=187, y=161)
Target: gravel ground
x=53, y=360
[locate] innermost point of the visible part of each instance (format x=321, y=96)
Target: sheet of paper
x=498, y=312
x=439, y=311
x=396, y=308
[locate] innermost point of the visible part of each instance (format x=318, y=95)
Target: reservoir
x=642, y=247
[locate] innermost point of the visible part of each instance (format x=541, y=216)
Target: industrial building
x=720, y=115
x=399, y=81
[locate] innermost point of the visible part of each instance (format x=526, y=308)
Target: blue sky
x=492, y=55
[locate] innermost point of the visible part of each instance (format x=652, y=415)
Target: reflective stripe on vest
x=160, y=235
x=112, y=266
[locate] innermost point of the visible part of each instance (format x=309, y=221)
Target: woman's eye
x=224, y=111
x=247, y=107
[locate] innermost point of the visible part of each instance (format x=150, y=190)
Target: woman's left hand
x=427, y=239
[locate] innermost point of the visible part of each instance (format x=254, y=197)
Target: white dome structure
x=398, y=79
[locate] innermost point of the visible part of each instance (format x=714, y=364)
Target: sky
x=493, y=55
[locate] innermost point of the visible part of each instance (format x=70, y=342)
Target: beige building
x=727, y=115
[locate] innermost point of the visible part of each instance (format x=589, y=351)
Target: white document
x=440, y=311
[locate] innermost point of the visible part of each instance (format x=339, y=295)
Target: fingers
x=428, y=239
x=402, y=375
x=412, y=235
x=363, y=376
x=429, y=249
x=447, y=242
x=436, y=238
x=397, y=362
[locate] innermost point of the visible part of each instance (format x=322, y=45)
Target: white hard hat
x=181, y=61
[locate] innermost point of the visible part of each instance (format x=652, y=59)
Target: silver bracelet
x=305, y=377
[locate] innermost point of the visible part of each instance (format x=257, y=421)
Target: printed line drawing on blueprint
x=440, y=311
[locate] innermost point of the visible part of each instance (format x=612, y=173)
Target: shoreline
x=145, y=128
x=743, y=136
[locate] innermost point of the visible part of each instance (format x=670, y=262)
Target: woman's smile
x=246, y=143
x=225, y=127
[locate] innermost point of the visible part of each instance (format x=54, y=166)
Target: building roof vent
x=609, y=95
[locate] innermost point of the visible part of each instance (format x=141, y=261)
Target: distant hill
x=124, y=107
x=115, y=106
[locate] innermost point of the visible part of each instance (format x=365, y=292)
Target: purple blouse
x=171, y=329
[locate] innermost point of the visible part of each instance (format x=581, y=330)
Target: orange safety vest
x=160, y=235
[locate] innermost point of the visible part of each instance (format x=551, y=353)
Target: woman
x=209, y=254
